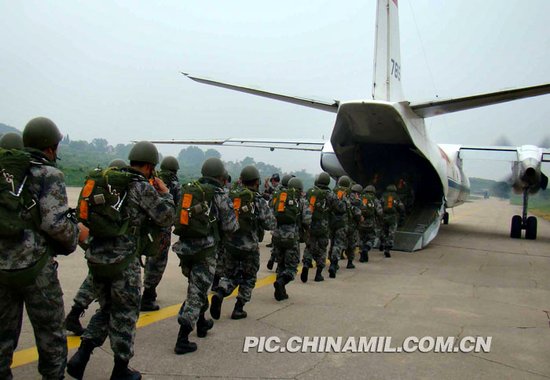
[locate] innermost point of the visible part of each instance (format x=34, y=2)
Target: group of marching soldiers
x=219, y=226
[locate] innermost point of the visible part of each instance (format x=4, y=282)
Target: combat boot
x=216, y=305
x=381, y=247
x=350, y=264
x=203, y=325
x=77, y=364
x=270, y=264
x=183, y=345
x=280, y=290
x=238, y=312
x=364, y=256
x=148, y=300
x=303, y=275
x=122, y=372
x=332, y=270
x=72, y=322
x=215, y=283
x=318, y=276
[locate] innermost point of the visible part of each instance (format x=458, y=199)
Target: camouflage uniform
x=119, y=299
x=354, y=218
x=43, y=298
x=318, y=237
x=243, y=258
x=86, y=293
x=390, y=219
x=339, y=230
x=371, y=209
x=155, y=265
x=198, y=258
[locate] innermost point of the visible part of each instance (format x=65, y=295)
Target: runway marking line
x=30, y=355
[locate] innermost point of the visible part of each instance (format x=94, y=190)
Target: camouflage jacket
x=333, y=205
x=172, y=182
x=222, y=211
x=354, y=210
x=370, y=218
x=47, y=186
x=340, y=217
x=292, y=231
x=142, y=202
x=250, y=241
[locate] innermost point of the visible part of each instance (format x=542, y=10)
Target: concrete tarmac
x=472, y=280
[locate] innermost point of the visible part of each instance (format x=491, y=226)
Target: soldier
x=204, y=213
x=354, y=218
x=392, y=207
x=242, y=249
x=156, y=264
x=31, y=236
x=321, y=201
x=270, y=186
x=284, y=185
x=339, y=225
x=292, y=213
x=114, y=260
x=11, y=140
x=371, y=210
x=220, y=254
x=86, y=293
x=405, y=193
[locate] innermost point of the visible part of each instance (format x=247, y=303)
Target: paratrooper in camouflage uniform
x=282, y=187
x=354, y=218
x=119, y=296
x=324, y=203
x=392, y=209
x=36, y=247
x=243, y=251
x=286, y=245
x=198, y=258
x=371, y=209
x=156, y=264
x=339, y=220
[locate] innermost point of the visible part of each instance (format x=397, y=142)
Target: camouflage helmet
x=41, y=133
x=117, y=163
x=11, y=140
x=213, y=167
x=144, y=151
x=286, y=178
x=369, y=189
x=250, y=173
x=170, y=163
x=296, y=183
x=357, y=188
x=391, y=188
x=323, y=179
x=344, y=181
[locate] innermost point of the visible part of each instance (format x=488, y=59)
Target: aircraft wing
x=271, y=144
x=498, y=153
x=331, y=106
x=440, y=107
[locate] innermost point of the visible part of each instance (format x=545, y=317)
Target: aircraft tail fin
x=387, y=60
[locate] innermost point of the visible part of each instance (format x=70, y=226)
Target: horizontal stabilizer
x=441, y=107
x=331, y=106
x=272, y=144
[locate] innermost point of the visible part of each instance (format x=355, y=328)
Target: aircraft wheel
x=515, y=230
x=531, y=230
x=446, y=218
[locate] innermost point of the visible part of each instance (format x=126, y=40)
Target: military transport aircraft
x=385, y=139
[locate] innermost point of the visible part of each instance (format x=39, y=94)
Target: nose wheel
x=522, y=222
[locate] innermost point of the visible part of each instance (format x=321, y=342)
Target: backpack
x=18, y=208
x=193, y=219
x=368, y=205
x=389, y=203
x=245, y=209
x=341, y=192
x=317, y=200
x=101, y=200
x=286, y=206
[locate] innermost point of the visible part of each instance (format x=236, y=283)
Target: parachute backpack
x=18, y=209
x=245, y=209
x=286, y=206
x=341, y=192
x=368, y=205
x=390, y=203
x=101, y=200
x=193, y=219
x=317, y=200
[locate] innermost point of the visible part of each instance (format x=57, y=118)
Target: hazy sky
x=111, y=69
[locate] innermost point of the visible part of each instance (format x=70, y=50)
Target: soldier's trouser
x=199, y=273
x=44, y=303
x=220, y=260
x=388, y=232
x=316, y=249
x=241, y=270
x=368, y=238
x=339, y=243
x=288, y=260
x=119, y=302
x=352, y=241
x=155, y=266
x=86, y=293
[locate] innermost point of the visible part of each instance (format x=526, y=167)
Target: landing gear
x=529, y=224
x=445, y=218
